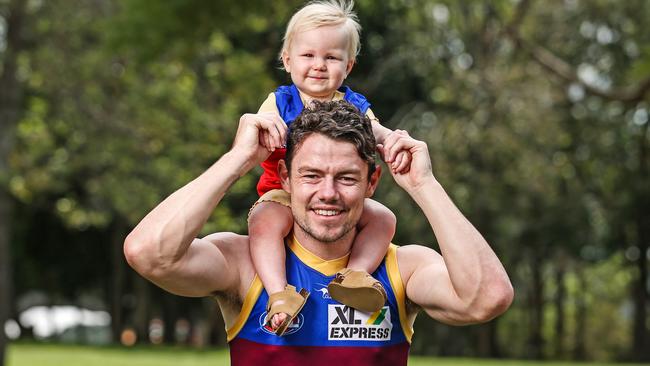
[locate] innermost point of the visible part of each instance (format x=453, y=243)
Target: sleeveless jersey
x=289, y=104
x=324, y=333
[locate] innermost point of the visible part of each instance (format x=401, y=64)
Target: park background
x=535, y=112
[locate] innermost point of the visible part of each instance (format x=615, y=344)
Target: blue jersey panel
x=325, y=322
x=289, y=103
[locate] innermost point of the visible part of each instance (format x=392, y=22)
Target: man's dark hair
x=337, y=120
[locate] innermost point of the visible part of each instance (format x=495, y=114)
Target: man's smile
x=327, y=212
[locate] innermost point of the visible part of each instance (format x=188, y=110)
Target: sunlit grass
x=69, y=355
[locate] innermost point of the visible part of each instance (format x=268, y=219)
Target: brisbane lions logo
x=295, y=325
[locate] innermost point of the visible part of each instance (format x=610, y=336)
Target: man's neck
x=329, y=250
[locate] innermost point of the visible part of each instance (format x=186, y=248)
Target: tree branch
x=566, y=71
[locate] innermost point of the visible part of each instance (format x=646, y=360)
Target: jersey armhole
x=400, y=292
x=252, y=295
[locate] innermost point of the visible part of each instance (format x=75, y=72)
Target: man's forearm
x=170, y=228
x=471, y=263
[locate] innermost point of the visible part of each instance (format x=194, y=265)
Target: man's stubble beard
x=347, y=227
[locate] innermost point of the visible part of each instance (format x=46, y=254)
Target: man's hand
x=418, y=172
x=258, y=135
x=402, y=161
x=463, y=284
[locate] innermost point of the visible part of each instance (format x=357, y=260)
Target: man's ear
x=373, y=182
x=284, y=176
x=285, y=60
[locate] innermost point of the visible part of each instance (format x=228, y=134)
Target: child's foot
x=277, y=319
x=283, y=307
x=357, y=289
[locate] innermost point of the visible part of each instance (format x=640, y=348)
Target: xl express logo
x=347, y=324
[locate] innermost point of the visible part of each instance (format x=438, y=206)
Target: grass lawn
x=68, y=355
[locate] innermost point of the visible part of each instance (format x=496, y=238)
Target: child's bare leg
x=354, y=286
x=268, y=224
x=376, y=230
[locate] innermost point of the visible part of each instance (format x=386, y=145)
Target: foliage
x=128, y=100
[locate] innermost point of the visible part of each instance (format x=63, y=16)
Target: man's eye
x=347, y=180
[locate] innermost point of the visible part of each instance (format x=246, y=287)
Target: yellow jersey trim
x=252, y=295
x=326, y=267
x=398, y=289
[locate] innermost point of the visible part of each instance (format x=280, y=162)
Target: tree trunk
x=536, y=305
x=141, y=313
x=640, y=331
x=559, y=308
x=640, y=349
x=118, y=232
x=169, y=316
x=215, y=334
x=5, y=269
x=579, y=350
x=483, y=340
x=11, y=94
x=495, y=348
x=487, y=340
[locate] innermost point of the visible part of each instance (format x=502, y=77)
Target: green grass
x=68, y=355
x=430, y=361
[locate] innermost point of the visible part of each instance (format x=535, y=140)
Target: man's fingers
x=269, y=140
x=282, y=129
x=264, y=140
x=280, y=132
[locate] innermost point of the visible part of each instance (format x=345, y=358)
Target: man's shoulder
x=413, y=250
x=227, y=239
x=233, y=246
x=235, y=250
x=412, y=256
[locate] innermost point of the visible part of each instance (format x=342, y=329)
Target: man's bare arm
x=467, y=283
x=163, y=248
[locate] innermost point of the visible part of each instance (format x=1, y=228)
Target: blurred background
x=535, y=112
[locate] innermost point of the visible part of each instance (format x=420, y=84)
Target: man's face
x=328, y=183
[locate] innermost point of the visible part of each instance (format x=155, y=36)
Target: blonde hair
x=322, y=13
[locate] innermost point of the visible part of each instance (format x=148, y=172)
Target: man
x=329, y=171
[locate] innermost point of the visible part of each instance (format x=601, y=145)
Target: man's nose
x=327, y=191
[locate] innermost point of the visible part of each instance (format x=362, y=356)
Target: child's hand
x=402, y=162
x=402, y=159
